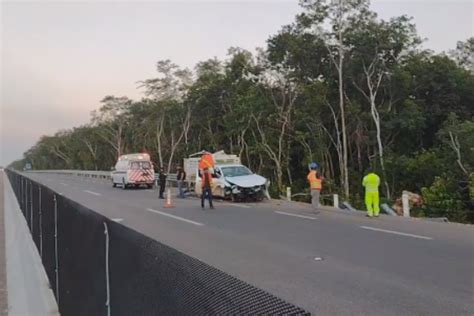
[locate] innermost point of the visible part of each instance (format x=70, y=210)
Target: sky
x=58, y=59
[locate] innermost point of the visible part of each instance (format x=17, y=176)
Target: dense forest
x=339, y=86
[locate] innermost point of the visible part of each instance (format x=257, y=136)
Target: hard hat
x=313, y=165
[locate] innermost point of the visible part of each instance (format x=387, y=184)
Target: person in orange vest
x=206, y=187
x=207, y=161
x=315, y=183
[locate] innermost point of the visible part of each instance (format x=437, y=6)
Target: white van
x=133, y=170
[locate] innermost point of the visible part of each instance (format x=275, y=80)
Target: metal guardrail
x=83, y=173
x=171, y=178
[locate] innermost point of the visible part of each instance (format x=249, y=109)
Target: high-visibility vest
x=371, y=183
x=207, y=161
x=315, y=183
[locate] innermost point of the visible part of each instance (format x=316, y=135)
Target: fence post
x=31, y=208
x=40, y=222
x=406, y=205
x=25, y=205
x=336, y=200
x=56, y=246
x=107, y=280
x=22, y=192
x=20, y=189
x=288, y=194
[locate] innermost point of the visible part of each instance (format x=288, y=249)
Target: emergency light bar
x=135, y=157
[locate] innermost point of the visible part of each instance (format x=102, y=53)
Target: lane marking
x=295, y=215
x=238, y=205
x=395, y=232
x=175, y=217
x=118, y=220
x=65, y=184
x=92, y=192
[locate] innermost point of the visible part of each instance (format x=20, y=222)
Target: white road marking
x=395, y=232
x=92, y=192
x=295, y=215
x=65, y=184
x=175, y=217
x=118, y=220
x=238, y=205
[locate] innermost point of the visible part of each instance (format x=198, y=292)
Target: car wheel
x=114, y=184
x=124, y=186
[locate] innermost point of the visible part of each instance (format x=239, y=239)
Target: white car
x=236, y=182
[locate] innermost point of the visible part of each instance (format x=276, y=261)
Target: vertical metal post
x=107, y=277
x=288, y=193
x=56, y=246
x=40, y=222
x=31, y=208
x=406, y=205
x=22, y=192
x=25, y=203
x=336, y=200
x=26, y=200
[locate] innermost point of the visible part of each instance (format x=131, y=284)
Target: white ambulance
x=133, y=170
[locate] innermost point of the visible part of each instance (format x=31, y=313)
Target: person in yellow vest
x=371, y=182
x=315, y=184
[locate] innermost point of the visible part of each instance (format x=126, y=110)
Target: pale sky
x=60, y=58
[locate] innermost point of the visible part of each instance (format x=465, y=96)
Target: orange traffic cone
x=168, y=203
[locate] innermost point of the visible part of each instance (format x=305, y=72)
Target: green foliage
x=442, y=200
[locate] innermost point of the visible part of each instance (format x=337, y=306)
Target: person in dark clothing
x=181, y=176
x=206, y=187
x=162, y=180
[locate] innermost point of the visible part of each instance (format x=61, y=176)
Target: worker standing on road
x=162, y=179
x=206, y=187
x=315, y=183
x=207, y=161
x=371, y=182
x=181, y=176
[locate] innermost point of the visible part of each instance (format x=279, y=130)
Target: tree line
x=339, y=86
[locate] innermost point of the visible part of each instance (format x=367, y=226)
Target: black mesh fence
x=97, y=266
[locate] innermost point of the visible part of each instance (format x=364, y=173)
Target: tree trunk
x=159, y=132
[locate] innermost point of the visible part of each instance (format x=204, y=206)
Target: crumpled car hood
x=248, y=181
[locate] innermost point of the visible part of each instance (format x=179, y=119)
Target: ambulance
x=231, y=180
x=133, y=170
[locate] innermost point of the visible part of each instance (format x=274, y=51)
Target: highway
x=330, y=263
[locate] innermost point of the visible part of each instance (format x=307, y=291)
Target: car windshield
x=236, y=171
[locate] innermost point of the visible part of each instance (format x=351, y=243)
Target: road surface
x=331, y=263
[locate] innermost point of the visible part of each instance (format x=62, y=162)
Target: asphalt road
x=331, y=263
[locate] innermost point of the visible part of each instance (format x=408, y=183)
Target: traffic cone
x=168, y=203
